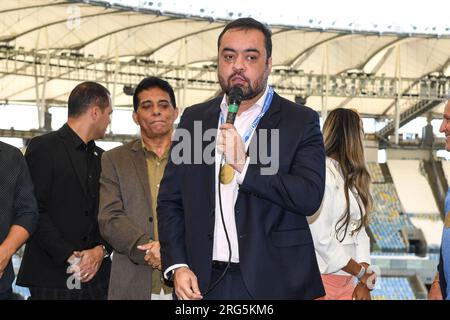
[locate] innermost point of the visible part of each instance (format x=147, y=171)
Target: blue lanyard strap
x=255, y=122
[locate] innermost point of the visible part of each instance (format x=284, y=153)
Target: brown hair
x=343, y=139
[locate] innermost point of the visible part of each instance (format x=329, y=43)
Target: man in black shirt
x=67, y=258
x=18, y=211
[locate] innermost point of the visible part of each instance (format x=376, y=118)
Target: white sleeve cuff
x=171, y=269
x=363, y=247
x=240, y=176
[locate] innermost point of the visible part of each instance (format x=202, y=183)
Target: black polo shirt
x=86, y=156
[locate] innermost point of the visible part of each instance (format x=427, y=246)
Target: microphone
x=235, y=98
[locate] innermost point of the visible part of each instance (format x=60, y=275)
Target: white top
x=333, y=255
x=229, y=191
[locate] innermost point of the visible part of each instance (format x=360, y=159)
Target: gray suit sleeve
x=115, y=226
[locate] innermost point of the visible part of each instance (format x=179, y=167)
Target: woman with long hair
x=338, y=227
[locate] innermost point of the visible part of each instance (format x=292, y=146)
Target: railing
x=416, y=110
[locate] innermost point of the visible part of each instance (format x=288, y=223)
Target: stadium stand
x=413, y=189
x=431, y=226
x=406, y=236
x=393, y=288
x=387, y=219
x=375, y=172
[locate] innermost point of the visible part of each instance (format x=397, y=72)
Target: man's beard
x=248, y=91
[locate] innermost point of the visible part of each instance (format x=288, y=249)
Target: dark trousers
x=89, y=292
x=231, y=287
x=96, y=289
x=6, y=295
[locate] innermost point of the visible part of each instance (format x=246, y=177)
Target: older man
x=128, y=192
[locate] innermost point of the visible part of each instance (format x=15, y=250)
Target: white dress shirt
x=229, y=191
x=333, y=255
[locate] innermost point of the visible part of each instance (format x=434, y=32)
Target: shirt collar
x=148, y=152
x=77, y=142
x=258, y=105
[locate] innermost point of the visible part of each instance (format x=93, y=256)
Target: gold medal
x=226, y=174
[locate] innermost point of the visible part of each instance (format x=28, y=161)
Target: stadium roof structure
x=47, y=46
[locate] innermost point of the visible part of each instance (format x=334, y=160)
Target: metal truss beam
x=23, y=134
x=77, y=67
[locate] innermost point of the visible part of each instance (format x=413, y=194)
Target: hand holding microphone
x=234, y=100
x=230, y=143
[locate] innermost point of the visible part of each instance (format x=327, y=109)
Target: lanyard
x=255, y=122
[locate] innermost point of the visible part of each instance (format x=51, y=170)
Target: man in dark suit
x=18, y=212
x=67, y=258
x=266, y=250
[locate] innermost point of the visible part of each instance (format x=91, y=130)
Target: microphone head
x=235, y=95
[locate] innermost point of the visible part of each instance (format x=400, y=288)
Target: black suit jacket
x=276, y=251
x=67, y=221
x=17, y=202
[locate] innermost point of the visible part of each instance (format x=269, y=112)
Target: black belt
x=222, y=265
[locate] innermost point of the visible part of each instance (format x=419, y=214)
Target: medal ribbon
x=255, y=122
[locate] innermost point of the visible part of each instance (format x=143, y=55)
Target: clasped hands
x=85, y=264
x=152, y=254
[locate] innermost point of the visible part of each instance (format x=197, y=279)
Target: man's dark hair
x=248, y=24
x=85, y=95
x=152, y=82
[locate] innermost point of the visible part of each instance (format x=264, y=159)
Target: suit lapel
x=269, y=121
x=71, y=152
x=140, y=165
x=272, y=117
x=211, y=121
